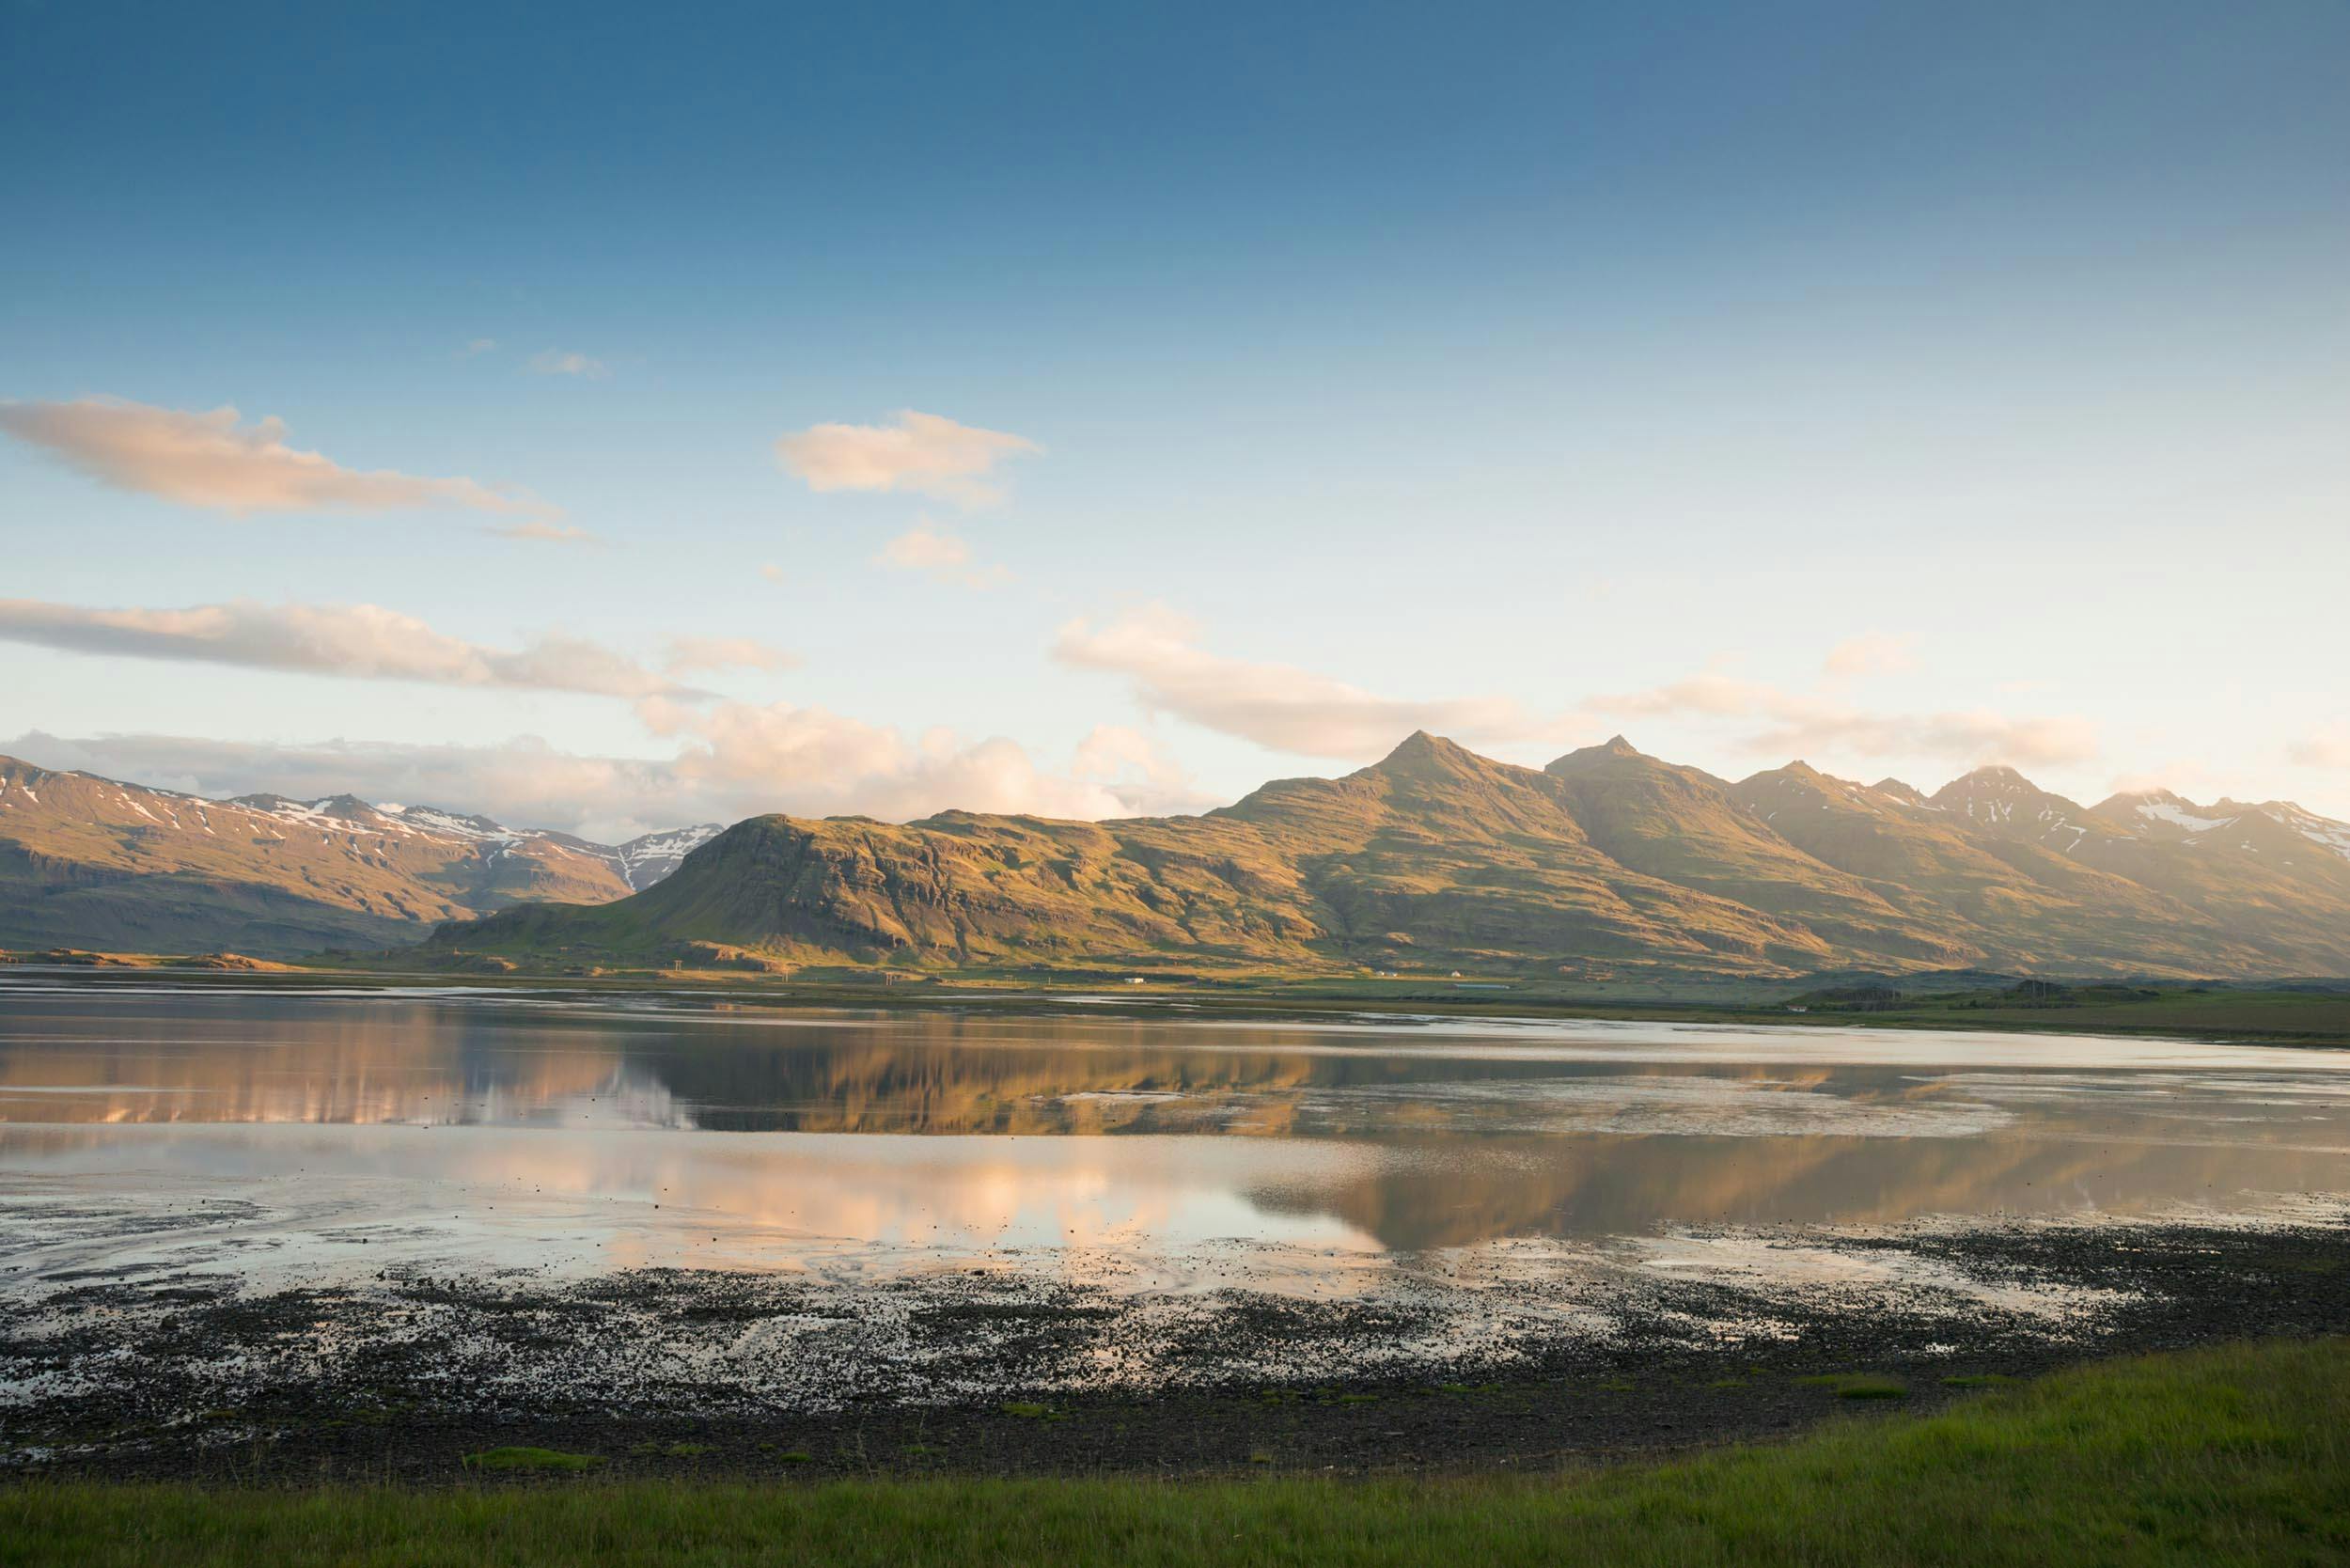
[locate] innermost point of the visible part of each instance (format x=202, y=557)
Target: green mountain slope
x=1686, y=827
x=1997, y=886
x=90, y=862
x=1440, y=854
x=2247, y=874
x=1607, y=863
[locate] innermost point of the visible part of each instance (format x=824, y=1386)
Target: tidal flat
x=278, y=1237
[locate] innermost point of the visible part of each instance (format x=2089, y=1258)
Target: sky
x=615, y=417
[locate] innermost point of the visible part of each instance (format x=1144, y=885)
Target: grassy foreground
x=2236, y=1455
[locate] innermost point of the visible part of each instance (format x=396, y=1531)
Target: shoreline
x=676, y=1374
x=2313, y=1014
x=2228, y=1454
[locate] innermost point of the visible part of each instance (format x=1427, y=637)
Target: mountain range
x=92, y=863
x=1608, y=863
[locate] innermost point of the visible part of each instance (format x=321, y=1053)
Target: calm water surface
x=146, y=1130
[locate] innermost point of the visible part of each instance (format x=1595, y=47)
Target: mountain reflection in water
x=938, y=1129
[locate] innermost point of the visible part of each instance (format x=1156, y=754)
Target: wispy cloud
x=805, y=760
x=688, y=654
x=738, y=760
x=2326, y=746
x=925, y=454
x=522, y=782
x=1872, y=653
x=359, y=641
x=941, y=555
x=1278, y=705
x=1144, y=773
x=206, y=460
x=478, y=346
x=556, y=362
x=2182, y=775
x=1797, y=724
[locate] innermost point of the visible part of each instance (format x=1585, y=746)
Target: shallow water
x=146, y=1130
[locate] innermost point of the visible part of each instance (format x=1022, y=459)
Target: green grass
x=2315, y=1013
x=1858, y=1386
x=530, y=1459
x=2234, y=1012
x=2233, y=1456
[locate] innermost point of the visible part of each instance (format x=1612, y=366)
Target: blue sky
x=1903, y=386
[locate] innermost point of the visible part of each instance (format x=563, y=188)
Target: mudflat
x=289, y=1237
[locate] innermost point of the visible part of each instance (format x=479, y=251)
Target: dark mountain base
x=169, y=914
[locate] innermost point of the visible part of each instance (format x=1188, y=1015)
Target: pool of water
x=147, y=1129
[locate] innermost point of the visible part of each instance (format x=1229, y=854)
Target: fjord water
x=145, y=1129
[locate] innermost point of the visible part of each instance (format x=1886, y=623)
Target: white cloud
x=1278, y=705
x=522, y=782
x=205, y=460
x=813, y=761
x=925, y=454
x=2327, y=747
x=477, y=345
x=2182, y=775
x=1143, y=774
x=362, y=641
x=1795, y=724
x=1873, y=653
x=737, y=760
x=1977, y=735
x=554, y=362
x=1713, y=695
x=688, y=654
x=1110, y=750
x=940, y=553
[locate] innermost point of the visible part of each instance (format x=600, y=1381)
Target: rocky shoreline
x=1487, y=1360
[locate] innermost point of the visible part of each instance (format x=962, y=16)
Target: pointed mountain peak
x=1422, y=753
x=2149, y=797
x=1419, y=743
x=1996, y=779
x=1899, y=791
x=2001, y=801
x=2164, y=810
x=1613, y=748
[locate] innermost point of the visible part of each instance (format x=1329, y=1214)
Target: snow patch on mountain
x=650, y=857
x=2322, y=831
x=2178, y=815
x=370, y=829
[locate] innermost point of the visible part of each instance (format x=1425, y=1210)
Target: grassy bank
x=2292, y=1013
x=2237, y=1456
